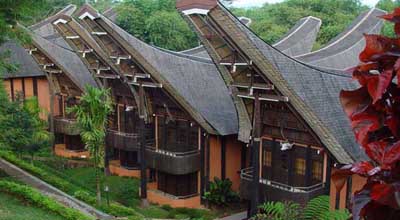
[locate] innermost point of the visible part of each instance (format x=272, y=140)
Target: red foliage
x=374, y=112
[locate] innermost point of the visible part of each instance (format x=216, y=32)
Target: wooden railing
x=247, y=174
x=66, y=126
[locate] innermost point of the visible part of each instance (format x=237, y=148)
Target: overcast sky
x=251, y=3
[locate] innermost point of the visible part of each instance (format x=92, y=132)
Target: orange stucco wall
x=116, y=169
x=28, y=87
x=157, y=197
x=61, y=151
x=215, y=157
x=357, y=183
x=17, y=86
x=233, y=161
x=7, y=87
x=43, y=91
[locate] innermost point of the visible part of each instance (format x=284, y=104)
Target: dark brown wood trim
x=12, y=89
x=349, y=191
x=337, y=200
x=223, y=158
x=207, y=177
x=23, y=87
x=308, y=166
x=35, y=86
x=243, y=157
x=202, y=162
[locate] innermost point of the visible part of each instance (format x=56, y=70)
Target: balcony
x=274, y=191
x=177, y=163
x=66, y=126
x=123, y=141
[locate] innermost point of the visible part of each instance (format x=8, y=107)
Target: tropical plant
x=374, y=112
x=221, y=193
x=92, y=113
x=316, y=209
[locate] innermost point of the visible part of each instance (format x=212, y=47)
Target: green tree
x=168, y=30
x=155, y=22
x=280, y=17
x=92, y=113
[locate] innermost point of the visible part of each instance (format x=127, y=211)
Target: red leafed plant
x=374, y=112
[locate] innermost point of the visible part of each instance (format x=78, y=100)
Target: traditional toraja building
x=298, y=40
x=299, y=130
x=68, y=77
x=184, y=102
x=341, y=53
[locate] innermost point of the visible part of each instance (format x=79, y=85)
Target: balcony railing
x=247, y=174
x=66, y=126
x=125, y=141
x=275, y=191
x=177, y=163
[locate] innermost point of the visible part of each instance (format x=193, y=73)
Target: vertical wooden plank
x=223, y=157
x=308, y=166
x=12, y=89
x=156, y=130
x=255, y=157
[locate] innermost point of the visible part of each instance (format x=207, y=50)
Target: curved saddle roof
x=342, y=52
x=27, y=67
x=313, y=92
x=191, y=81
x=300, y=38
x=54, y=46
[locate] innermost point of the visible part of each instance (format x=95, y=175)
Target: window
x=300, y=166
x=267, y=160
x=317, y=170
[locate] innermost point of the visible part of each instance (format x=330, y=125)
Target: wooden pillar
x=107, y=149
x=52, y=97
x=223, y=158
x=308, y=166
x=255, y=157
x=143, y=175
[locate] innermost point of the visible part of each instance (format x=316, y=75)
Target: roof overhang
x=189, y=7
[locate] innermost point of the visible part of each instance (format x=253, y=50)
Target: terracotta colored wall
x=215, y=157
x=357, y=184
x=17, y=86
x=7, y=86
x=28, y=87
x=44, y=96
x=233, y=161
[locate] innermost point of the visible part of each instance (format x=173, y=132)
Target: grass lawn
x=123, y=190
x=12, y=208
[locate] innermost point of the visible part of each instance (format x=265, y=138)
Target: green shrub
x=316, y=208
x=279, y=211
x=34, y=197
x=221, y=193
x=112, y=209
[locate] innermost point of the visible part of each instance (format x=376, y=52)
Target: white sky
x=252, y=3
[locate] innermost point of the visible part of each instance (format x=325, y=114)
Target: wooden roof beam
x=146, y=84
x=258, y=86
x=30, y=51
x=118, y=58
x=99, y=33
x=107, y=76
x=263, y=97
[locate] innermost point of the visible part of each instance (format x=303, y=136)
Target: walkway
x=51, y=191
x=237, y=216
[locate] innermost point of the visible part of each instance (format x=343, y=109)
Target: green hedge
x=42, y=174
x=34, y=197
x=114, y=208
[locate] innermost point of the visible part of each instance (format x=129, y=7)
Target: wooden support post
x=106, y=149
x=52, y=97
x=255, y=157
x=308, y=166
x=223, y=158
x=143, y=176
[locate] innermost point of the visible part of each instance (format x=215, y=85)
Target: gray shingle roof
x=313, y=92
x=199, y=83
x=342, y=52
x=300, y=38
x=55, y=47
x=27, y=67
